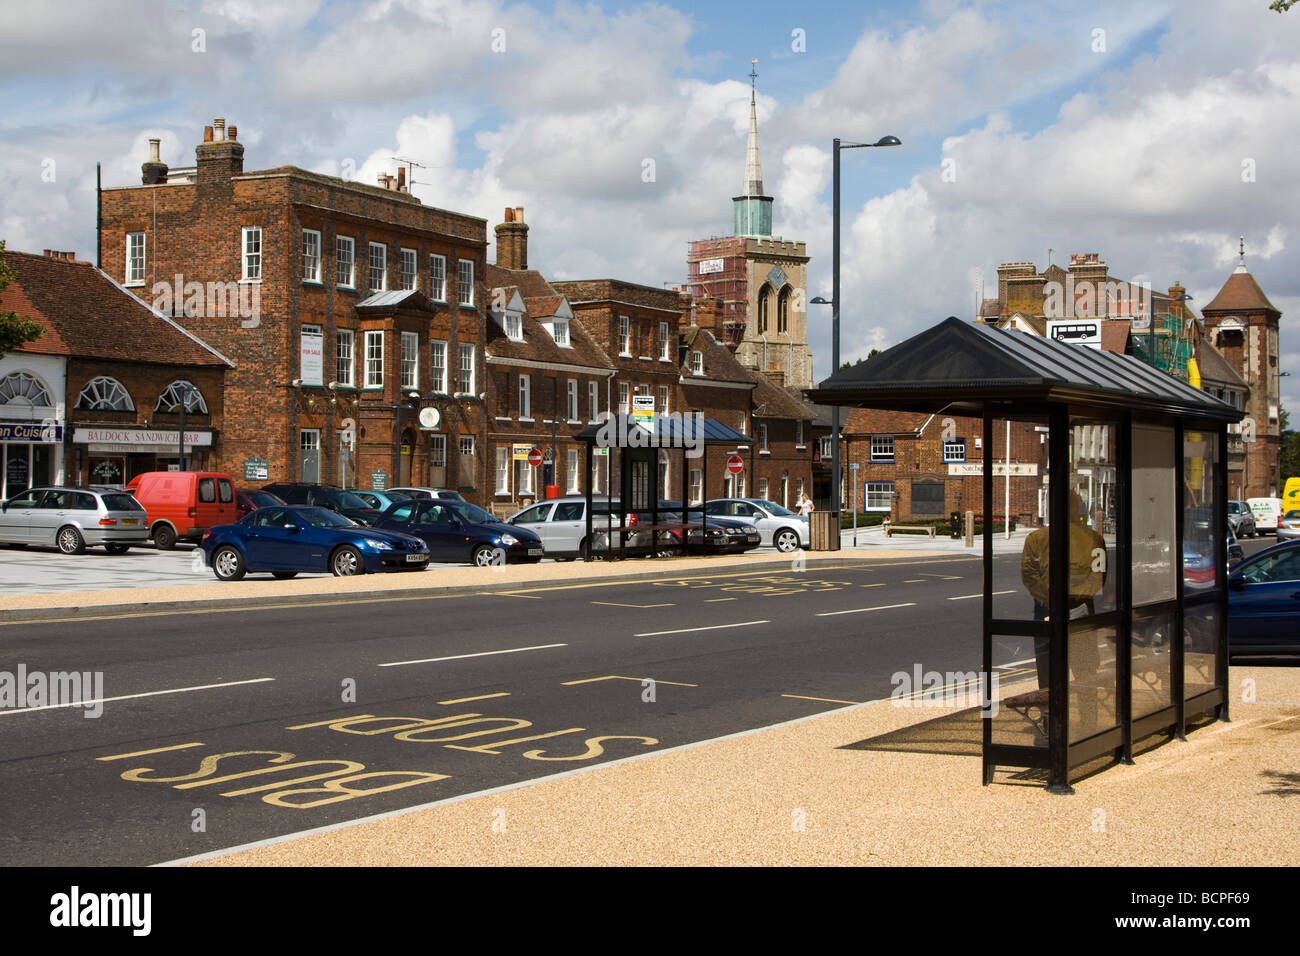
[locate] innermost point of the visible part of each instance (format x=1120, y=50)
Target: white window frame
x=882, y=448
x=343, y=374
x=525, y=398
x=798, y=435
x=571, y=389
x=624, y=335
x=870, y=494
x=250, y=247
x=560, y=333
x=954, y=450
x=438, y=370
x=465, y=355
x=503, y=470
x=762, y=443
x=465, y=282
x=437, y=277
x=438, y=451
x=762, y=489
x=350, y=244
x=410, y=357
x=374, y=364
x=824, y=445
x=574, y=471
x=665, y=393
x=467, y=446
x=411, y=275
x=514, y=327
x=593, y=400
x=664, y=353
x=524, y=479
x=697, y=486
x=382, y=250
x=311, y=255
x=624, y=398
x=136, y=263
x=697, y=362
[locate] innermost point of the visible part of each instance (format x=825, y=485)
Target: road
x=219, y=729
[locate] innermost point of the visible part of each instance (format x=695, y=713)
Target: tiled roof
x=537, y=344
x=1240, y=293
x=86, y=314
x=1214, y=367
x=720, y=364
x=1114, y=336
x=772, y=401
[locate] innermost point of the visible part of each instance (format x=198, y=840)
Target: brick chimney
x=512, y=240
x=218, y=157
x=154, y=171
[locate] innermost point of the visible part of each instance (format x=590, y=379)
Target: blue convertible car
x=286, y=540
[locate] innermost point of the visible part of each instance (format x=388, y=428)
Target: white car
x=426, y=493
x=780, y=527
x=561, y=523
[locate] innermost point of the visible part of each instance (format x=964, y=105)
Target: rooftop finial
x=753, y=166
x=1241, y=252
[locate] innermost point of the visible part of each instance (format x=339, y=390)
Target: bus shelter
x=637, y=454
x=1111, y=625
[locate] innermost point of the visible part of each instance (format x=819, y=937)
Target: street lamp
x=183, y=391
x=834, y=302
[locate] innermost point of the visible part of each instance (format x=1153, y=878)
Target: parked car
x=326, y=496
x=1235, y=551
x=381, y=501
x=286, y=540
x=561, y=523
x=459, y=531
x=1288, y=529
x=182, y=505
x=1267, y=512
x=71, y=519
x=415, y=492
x=250, y=499
x=779, y=527
x=1241, y=520
x=1263, y=611
x=716, y=534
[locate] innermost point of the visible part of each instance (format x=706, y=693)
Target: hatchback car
x=459, y=531
x=779, y=527
x=561, y=523
x=1241, y=519
x=1264, y=602
x=287, y=540
x=71, y=519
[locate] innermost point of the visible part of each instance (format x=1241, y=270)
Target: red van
x=184, y=504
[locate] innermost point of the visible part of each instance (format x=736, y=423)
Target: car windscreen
x=324, y=518
x=121, y=503
x=468, y=512
x=347, y=499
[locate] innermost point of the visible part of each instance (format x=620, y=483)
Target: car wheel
x=284, y=575
x=228, y=564
x=164, y=537
x=117, y=548
x=485, y=556
x=786, y=541
x=70, y=541
x=347, y=561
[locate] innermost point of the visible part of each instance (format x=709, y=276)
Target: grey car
x=1241, y=520
x=780, y=527
x=561, y=523
x=419, y=492
x=71, y=519
x=1288, y=528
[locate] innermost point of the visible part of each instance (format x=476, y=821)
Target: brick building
x=352, y=313
x=96, y=399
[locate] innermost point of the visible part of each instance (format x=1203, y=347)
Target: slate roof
x=86, y=314
x=537, y=344
x=720, y=364
x=1214, y=367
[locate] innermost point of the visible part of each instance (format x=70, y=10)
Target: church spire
x=752, y=211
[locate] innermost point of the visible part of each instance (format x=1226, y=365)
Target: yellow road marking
x=827, y=700
x=466, y=700
x=881, y=585
x=145, y=753
x=716, y=600
x=614, y=604
x=915, y=581
x=592, y=680
x=531, y=597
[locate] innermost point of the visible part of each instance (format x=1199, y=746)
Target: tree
x=1288, y=459
x=1281, y=6
x=872, y=354
x=15, y=329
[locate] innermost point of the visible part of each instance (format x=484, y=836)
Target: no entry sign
x=735, y=464
x=535, y=457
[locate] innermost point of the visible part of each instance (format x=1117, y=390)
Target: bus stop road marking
x=147, y=753
x=466, y=700
x=716, y=600
x=458, y=657
x=692, y=630
x=863, y=610
x=639, y=680
x=149, y=693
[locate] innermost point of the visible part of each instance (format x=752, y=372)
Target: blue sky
x=1114, y=127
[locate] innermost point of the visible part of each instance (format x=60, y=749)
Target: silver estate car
x=71, y=519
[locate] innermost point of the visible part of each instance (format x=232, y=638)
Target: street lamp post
x=183, y=389
x=834, y=302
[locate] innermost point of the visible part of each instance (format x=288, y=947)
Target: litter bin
x=825, y=530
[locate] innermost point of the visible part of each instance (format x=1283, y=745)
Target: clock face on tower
x=776, y=277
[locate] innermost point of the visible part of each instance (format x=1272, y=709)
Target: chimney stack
x=153, y=172
x=512, y=240
x=218, y=159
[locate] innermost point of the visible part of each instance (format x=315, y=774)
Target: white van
x=1267, y=512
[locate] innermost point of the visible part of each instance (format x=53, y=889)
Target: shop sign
x=255, y=469
x=47, y=432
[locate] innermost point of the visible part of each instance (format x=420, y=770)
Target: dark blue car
x=459, y=531
x=286, y=540
x=1264, y=602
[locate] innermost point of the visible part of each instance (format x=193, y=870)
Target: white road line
x=151, y=693
x=967, y=597
x=459, y=657
x=862, y=610
x=691, y=630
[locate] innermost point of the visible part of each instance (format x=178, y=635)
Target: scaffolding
x=718, y=270
x=1172, y=344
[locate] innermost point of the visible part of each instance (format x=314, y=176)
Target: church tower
x=759, y=279
x=1243, y=325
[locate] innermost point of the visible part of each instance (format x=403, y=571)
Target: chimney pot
x=382, y=180
x=401, y=179
x=519, y=214
x=207, y=134
x=509, y=215
x=219, y=128
x=47, y=253
x=232, y=132
x=154, y=145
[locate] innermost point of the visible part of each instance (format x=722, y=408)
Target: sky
x=1153, y=133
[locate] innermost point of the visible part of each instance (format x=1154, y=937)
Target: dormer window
x=560, y=332
x=697, y=363
x=514, y=327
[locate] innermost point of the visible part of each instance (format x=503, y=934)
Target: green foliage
x=15, y=329
x=1281, y=6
